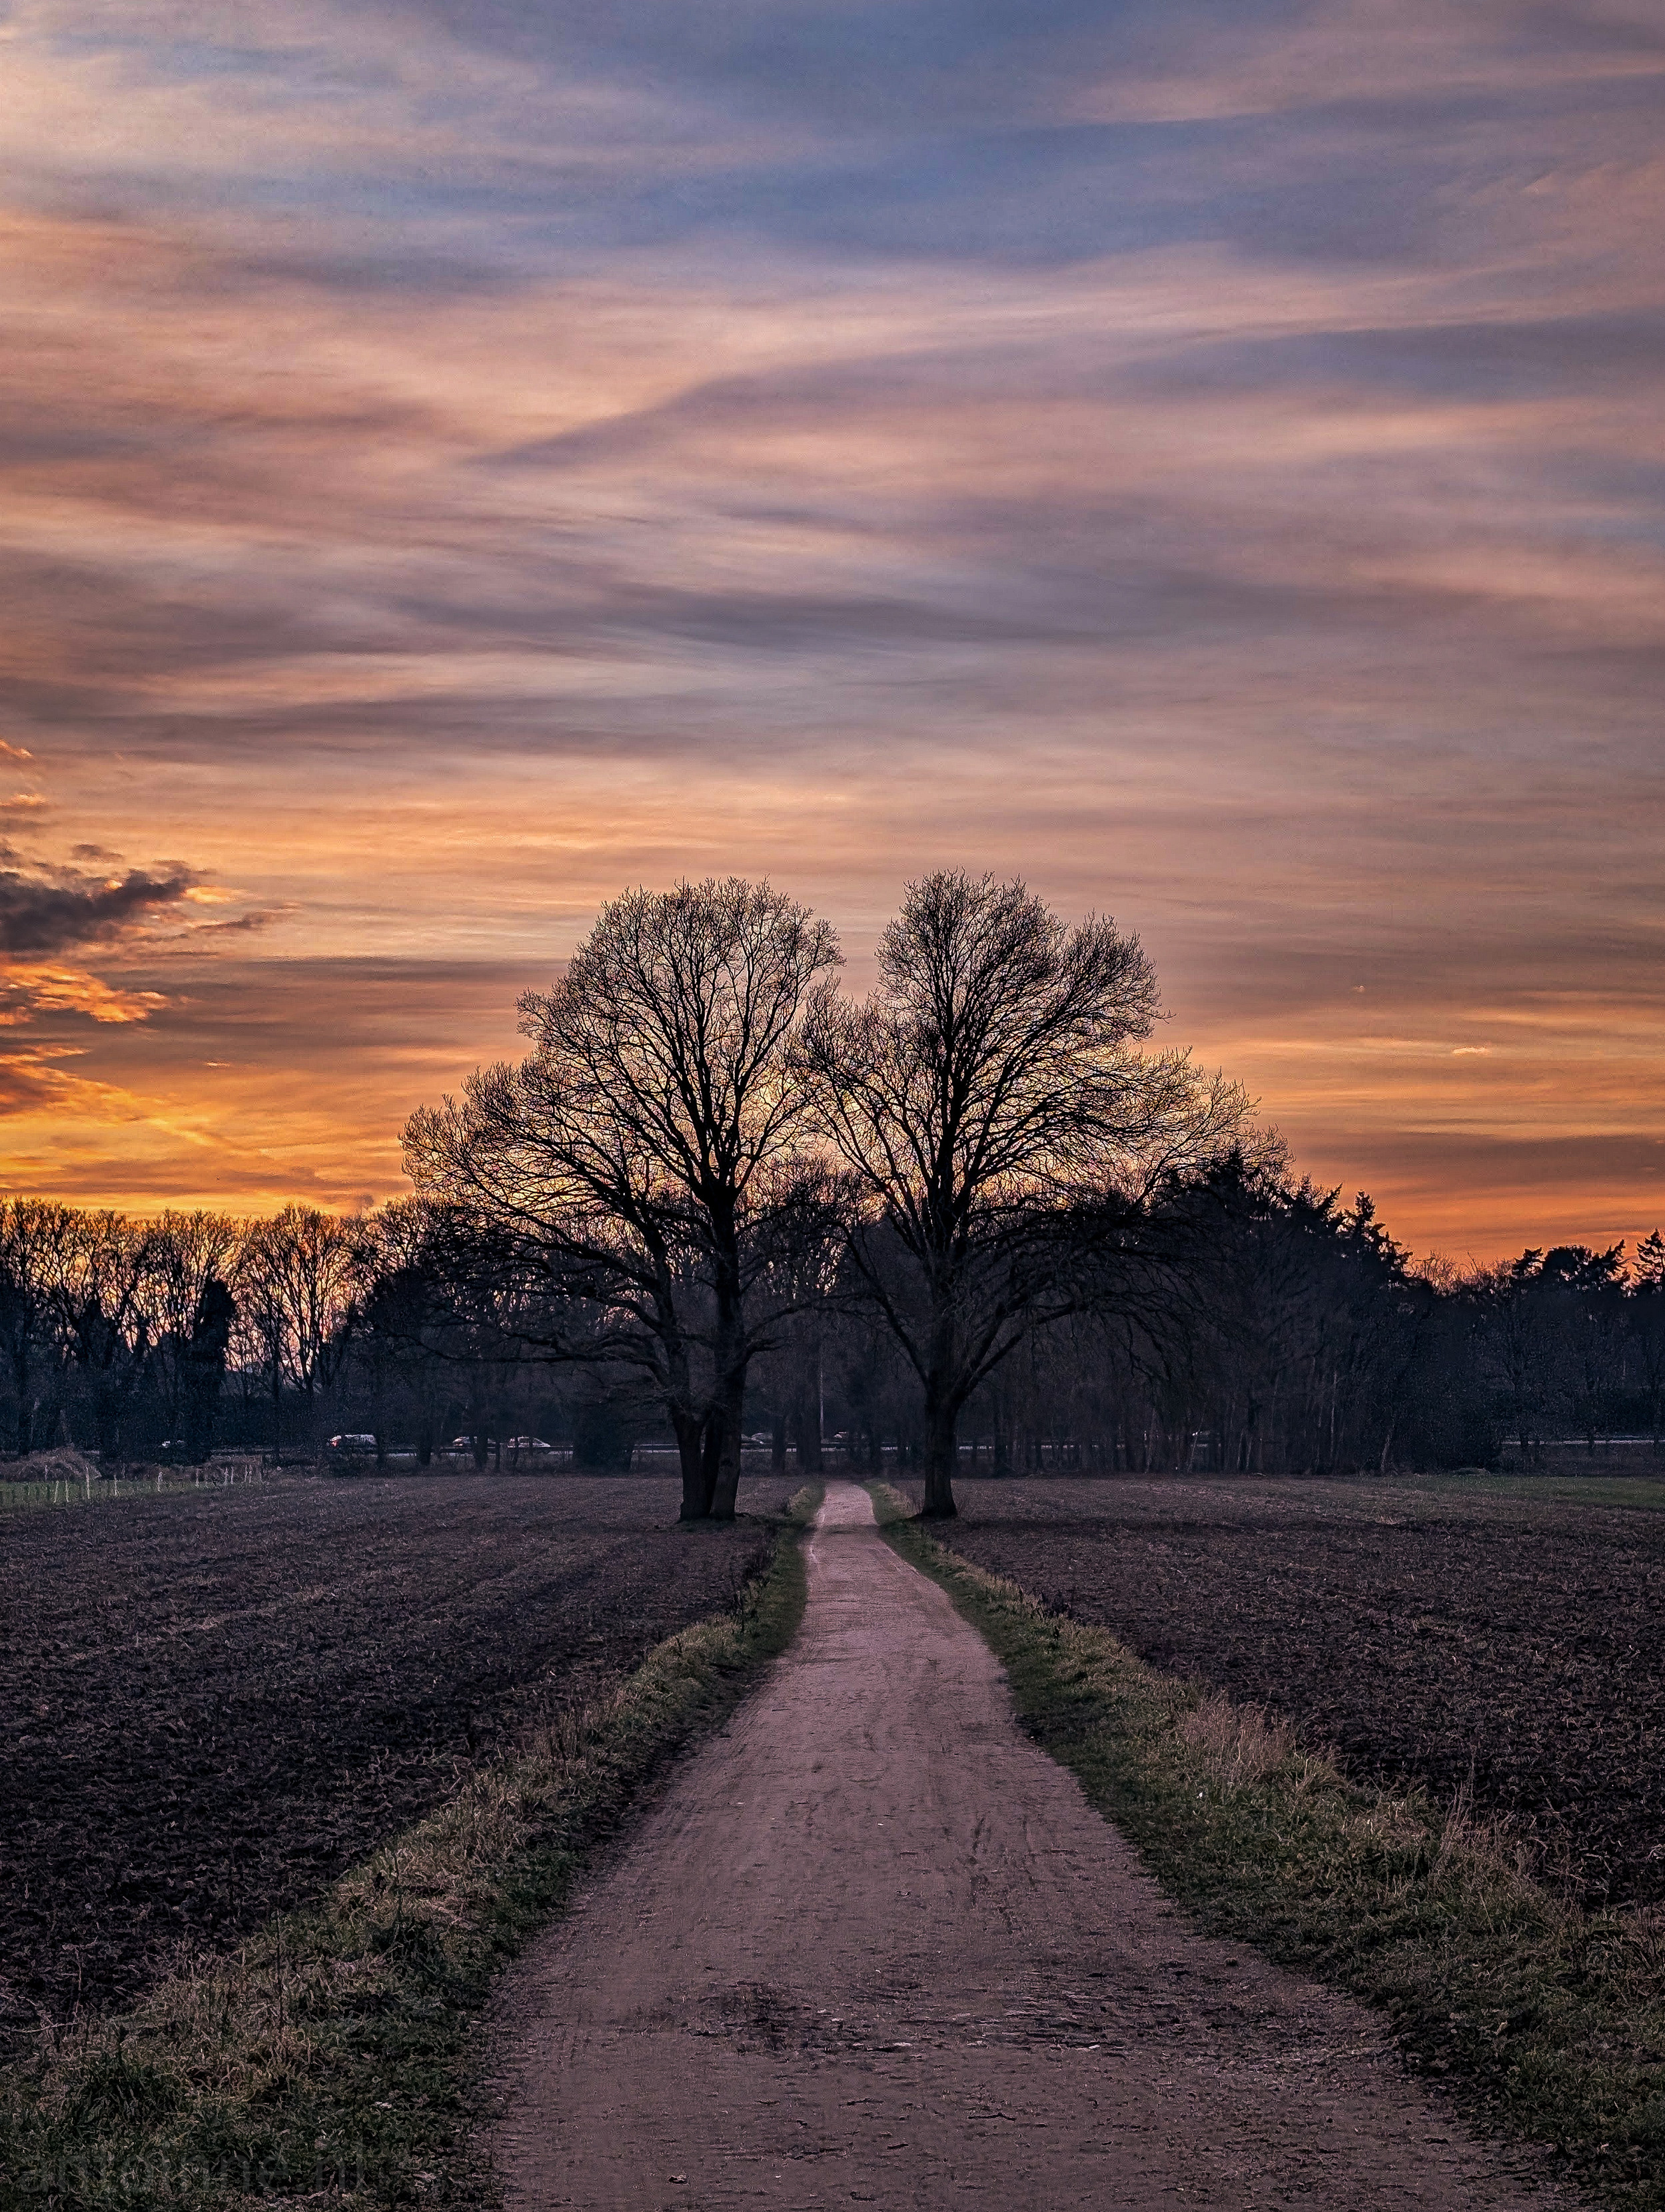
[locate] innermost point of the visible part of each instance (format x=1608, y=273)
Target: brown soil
x=215, y=1700
x=1480, y=1643
x=873, y=1947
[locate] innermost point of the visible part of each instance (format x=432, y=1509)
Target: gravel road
x=873, y=1947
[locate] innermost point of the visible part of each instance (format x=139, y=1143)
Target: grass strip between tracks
x=1545, y=2020
x=335, y=2060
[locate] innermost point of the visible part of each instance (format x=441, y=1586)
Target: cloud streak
x=455, y=461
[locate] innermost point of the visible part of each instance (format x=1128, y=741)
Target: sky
x=1208, y=460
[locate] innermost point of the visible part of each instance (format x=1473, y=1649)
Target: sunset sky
x=458, y=461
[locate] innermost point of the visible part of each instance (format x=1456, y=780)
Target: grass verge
x=334, y=2058
x=1545, y=2020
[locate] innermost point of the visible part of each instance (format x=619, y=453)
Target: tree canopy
x=990, y=1097
x=650, y=1149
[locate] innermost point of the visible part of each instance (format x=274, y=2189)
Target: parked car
x=353, y=1447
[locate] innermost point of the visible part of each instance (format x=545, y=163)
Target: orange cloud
x=1255, y=531
x=30, y=993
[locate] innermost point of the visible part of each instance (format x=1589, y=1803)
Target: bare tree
x=104, y=1302
x=987, y=1097
x=1521, y=1351
x=1647, y=1317
x=189, y=1321
x=36, y=1239
x=648, y=1153
x=1588, y=1292
x=298, y=1278
x=400, y=1319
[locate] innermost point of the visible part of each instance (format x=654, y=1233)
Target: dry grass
x=1544, y=2018
x=330, y=2058
x=65, y=1476
x=63, y=1464
x=1236, y=1744
x=61, y=1477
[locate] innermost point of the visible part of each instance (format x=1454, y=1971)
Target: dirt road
x=873, y=1947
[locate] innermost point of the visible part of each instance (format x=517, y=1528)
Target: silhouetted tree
x=203, y=1370
x=299, y=1276
x=102, y=1298
x=191, y=1313
x=35, y=1238
x=648, y=1154
x=400, y=1321
x=1518, y=1345
x=1585, y=1292
x=1289, y=1328
x=1647, y=1328
x=986, y=1095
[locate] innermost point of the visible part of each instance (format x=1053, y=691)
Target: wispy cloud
x=1210, y=458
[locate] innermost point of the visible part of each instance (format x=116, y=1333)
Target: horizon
x=1207, y=463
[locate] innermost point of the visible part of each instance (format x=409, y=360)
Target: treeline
x=720, y=1199
x=146, y=1340
x=1297, y=1336
x=1278, y=1331
x=142, y=1340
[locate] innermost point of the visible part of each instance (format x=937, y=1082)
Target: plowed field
x=1503, y=1646
x=216, y=1700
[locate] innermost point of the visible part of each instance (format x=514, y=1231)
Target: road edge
x=1545, y=2023
x=334, y=2057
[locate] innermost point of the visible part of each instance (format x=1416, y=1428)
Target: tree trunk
x=690, y=1446
x=942, y=1457
x=777, y=1445
x=711, y=1453
x=25, y=1409
x=728, y=1413
x=727, y=1416
x=806, y=1435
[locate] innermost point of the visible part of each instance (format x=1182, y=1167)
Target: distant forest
x=969, y=1220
